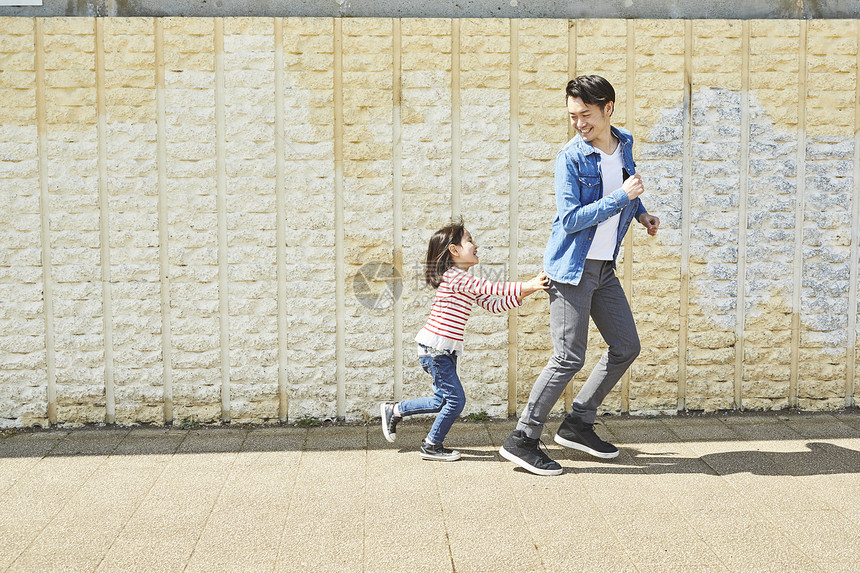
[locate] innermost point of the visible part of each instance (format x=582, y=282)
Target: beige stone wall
x=224, y=219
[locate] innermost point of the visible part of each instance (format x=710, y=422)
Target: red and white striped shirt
x=455, y=297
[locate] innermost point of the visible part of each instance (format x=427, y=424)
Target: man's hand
x=633, y=186
x=651, y=222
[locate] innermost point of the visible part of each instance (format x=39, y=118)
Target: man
x=597, y=194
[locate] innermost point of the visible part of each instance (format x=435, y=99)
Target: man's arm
x=633, y=186
x=572, y=212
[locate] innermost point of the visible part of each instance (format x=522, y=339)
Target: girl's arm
x=461, y=281
x=496, y=305
x=539, y=282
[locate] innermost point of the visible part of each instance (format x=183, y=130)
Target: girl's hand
x=540, y=282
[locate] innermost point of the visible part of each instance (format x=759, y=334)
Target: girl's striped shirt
x=455, y=297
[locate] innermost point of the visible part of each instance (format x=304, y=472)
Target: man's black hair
x=592, y=90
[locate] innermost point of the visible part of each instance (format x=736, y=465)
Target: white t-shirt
x=606, y=236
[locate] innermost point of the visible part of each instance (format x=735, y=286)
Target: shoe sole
x=440, y=459
x=388, y=436
x=527, y=466
x=577, y=446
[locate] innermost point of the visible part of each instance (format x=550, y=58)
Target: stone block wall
x=225, y=219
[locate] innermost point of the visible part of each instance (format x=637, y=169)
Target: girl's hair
x=438, y=255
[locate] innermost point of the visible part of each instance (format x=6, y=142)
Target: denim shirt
x=581, y=206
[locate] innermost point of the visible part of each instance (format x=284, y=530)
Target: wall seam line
x=513, y=212
x=571, y=132
x=851, y=363
x=163, y=223
x=397, y=187
x=280, y=225
x=340, y=264
x=44, y=199
x=800, y=201
x=104, y=223
x=221, y=206
x=571, y=69
x=740, y=295
x=686, y=202
x=629, y=123
x=455, y=119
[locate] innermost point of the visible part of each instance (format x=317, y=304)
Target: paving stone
x=752, y=495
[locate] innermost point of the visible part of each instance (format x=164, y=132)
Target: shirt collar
x=588, y=149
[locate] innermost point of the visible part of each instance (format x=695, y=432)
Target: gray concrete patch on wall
x=573, y=9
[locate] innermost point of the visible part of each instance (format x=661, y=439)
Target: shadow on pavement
x=479, y=442
x=820, y=459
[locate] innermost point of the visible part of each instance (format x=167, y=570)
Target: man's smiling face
x=591, y=122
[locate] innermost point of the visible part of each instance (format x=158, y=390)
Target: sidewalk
x=738, y=492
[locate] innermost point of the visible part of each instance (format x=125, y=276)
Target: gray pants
x=599, y=295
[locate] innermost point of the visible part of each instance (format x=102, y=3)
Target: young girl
x=450, y=255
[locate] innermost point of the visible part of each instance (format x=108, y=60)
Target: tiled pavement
x=738, y=492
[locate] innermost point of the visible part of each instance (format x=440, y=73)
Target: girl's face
x=465, y=255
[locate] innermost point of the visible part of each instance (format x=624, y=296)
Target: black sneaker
x=437, y=452
x=576, y=434
x=389, y=420
x=526, y=453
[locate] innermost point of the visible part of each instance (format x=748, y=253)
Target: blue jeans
x=448, y=399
